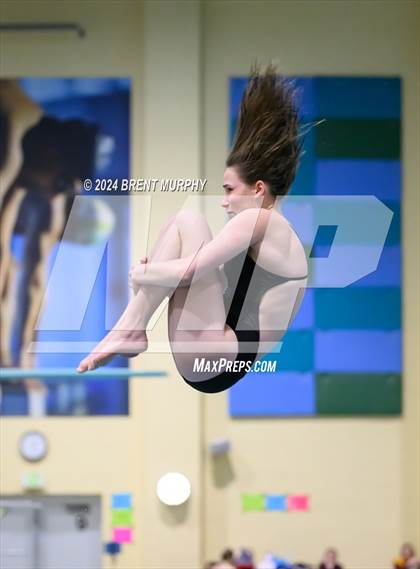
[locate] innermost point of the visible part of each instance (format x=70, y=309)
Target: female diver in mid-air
x=232, y=296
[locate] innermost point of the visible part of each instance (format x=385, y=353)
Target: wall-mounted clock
x=33, y=446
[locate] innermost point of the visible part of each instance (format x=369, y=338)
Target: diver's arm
x=162, y=273
x=242, y=231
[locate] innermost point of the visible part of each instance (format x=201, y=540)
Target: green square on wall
x=122, y=518
x=253, y=502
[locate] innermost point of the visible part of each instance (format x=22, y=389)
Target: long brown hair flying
x=266, y=145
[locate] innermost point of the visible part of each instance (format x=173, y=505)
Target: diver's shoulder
x=254, y=214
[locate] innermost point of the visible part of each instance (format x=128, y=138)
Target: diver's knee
x=190, y=216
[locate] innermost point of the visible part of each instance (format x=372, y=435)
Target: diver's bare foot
x=116, y=342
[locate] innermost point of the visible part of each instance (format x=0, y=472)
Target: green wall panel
x=358, y=394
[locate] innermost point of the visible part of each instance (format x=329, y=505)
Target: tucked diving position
x=232, y=295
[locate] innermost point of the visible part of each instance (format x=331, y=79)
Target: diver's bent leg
x=196, y=314
x=128, y=335
x=182, y=236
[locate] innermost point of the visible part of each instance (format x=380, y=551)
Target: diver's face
x=238, y=196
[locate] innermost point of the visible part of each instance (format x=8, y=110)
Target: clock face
x=33, y=446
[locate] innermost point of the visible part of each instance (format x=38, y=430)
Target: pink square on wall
x=122, y=535
x=298, y=503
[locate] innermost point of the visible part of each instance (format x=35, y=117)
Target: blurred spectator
x=284, y=564
x=407, y=558
x=245, y=560
x=269, y=561
x=330, y=559
x=210, y=565
x=226, y=560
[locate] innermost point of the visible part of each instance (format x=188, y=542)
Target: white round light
x=173, y=489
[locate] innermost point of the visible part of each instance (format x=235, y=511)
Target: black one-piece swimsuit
x=242, y=314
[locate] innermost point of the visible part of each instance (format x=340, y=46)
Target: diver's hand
x=135, y=271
